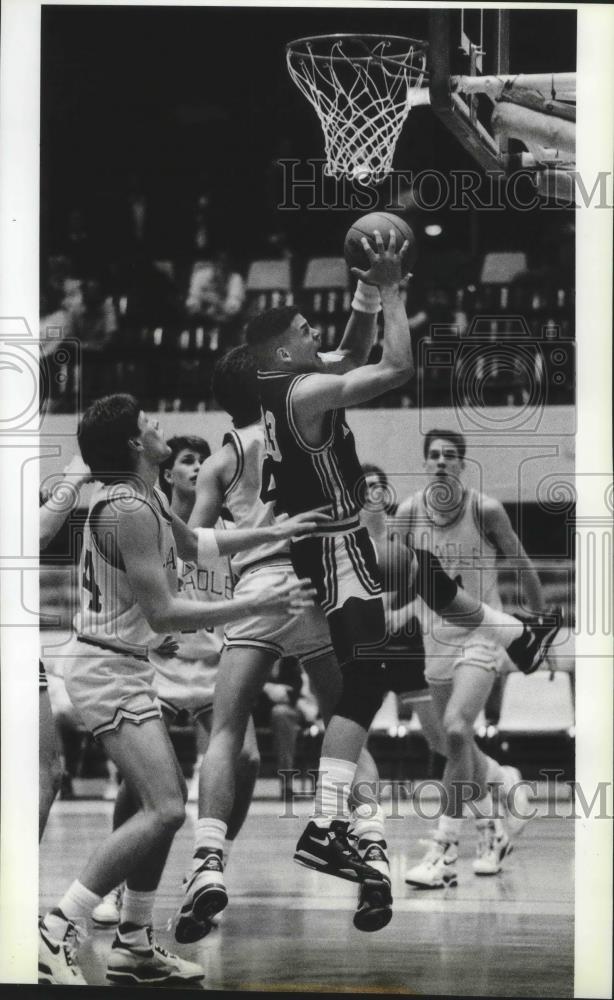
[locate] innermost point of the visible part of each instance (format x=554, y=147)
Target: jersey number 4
x=90, y=584
x=268, y=490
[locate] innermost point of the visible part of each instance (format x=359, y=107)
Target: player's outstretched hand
x=385, y=265
x=302, y=524
x=167, y=650
x=291, y=596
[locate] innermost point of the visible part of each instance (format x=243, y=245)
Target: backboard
x=505, y=120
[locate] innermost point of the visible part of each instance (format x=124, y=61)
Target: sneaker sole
x=447, y=882
x=196, y=923
x=134, y=979
x=378, y=913
x=105, y=923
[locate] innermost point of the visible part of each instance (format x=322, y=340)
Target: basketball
x=383, y=222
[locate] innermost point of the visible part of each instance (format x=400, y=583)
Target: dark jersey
x=305, y=476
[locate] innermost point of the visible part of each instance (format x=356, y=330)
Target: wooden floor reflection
x=289, y=929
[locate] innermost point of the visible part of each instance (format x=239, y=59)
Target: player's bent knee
x=363, y=692
x=249, y=762
x=170, y=815
x=457, y=730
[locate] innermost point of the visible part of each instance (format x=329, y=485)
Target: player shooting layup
x=303, y=396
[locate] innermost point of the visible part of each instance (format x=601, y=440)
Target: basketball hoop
x=362, y=87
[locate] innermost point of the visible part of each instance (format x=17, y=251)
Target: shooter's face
x=443, y=461
x=184, y=472
x=302, y=344
x=155, y=448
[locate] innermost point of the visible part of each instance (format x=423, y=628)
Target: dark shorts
x=344, y=571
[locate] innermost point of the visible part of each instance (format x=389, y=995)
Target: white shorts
x=442, y=660
x=108, y=688
x=304, y=636
x=185, y=685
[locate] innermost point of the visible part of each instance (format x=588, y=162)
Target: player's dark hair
x=386, y=500
x=235, y=385
x=181, y=442
x=103, y=434
x=454, y=437
x=268, y=326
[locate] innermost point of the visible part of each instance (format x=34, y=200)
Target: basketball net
x=362, y=88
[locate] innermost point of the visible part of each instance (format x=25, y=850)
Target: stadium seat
x=537, y=705
x=501, y=268
x=269, y=283
x=326, y=272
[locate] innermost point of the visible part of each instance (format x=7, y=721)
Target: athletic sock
x=137, y=907
x=209, y=833
x=497, y=626
x=485, y=813
x=334, y=782
x=496, y=779
x=367, y=825
x=449, y=829
x=77, y=903
x=367, y=821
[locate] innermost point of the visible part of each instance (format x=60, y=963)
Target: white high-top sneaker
x=57, y=957
x=137, y=958
x=491, y=850
x=438, y=866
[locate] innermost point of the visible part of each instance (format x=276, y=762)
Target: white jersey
x=212, y=583
x=463, y=549
x=109, y=615
x=251, y=496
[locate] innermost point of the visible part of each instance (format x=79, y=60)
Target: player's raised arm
x=63, y=500
x=197, y=540
x=214, y=477
x=320, y=392
x=163, y=610
x=359, y=334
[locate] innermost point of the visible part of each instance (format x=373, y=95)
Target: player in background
x=303, y=396
x=54, y=510
x=185, y=678
x=403, y=653
x=471, y=534
x=128, y=604
x=241, y=477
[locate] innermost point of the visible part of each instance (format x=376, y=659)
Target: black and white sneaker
x=57, y=956
x=137, y=958
x=327, y=849
x=375, y=896
x=205, y=896
x=530, y=649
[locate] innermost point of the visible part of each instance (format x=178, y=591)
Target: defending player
x=240, y=477
x=185, y=679
x=303, y=395
x=468, y=532
x=128, y=603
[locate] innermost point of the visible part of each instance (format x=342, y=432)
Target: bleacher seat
x=326, y=296
x=537, y=705
x=536, y=726
x=269, y=283
x=501, y=268
x=326, y=272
